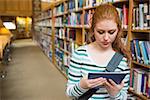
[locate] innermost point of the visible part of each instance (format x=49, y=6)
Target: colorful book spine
x=137, y=50
x=125, y=16
x=144, y=52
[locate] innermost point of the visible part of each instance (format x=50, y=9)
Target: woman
x=94, y=57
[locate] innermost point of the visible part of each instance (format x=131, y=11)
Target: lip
x=105, y=43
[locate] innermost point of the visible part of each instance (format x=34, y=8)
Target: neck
x=97, y=47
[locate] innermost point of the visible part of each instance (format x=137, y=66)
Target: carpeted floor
x=31, y=76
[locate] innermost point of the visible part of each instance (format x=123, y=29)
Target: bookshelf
x=44, y=32
x=65, y=26
x=139, y=32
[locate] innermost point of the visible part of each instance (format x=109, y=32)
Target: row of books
x=68, y=34
x=123, y=13
x=47, y=22
x=88, y=17
x=48, y=13
x=46, y=30
x=43, y=30
x=59, y=57
x=140, y=51
x=71, y=5
x=141, y=16
x=92, y=3
x=59, y=21
x=62, y=60
x=74, y=19
x=66, y=46
x=59, y=9
x=71, y=19
x=46, y=45
x=77, y=4
x=140, y=81
x=43, y=15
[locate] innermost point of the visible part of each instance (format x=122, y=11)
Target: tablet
x=117, y=77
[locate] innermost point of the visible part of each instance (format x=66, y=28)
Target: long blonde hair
x=108, y=11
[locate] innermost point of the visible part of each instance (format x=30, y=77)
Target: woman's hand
x=91, y=83
x=113, y=88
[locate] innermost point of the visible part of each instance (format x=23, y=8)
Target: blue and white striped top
x=81, y=64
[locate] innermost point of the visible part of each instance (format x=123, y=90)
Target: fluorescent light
x=9, y=25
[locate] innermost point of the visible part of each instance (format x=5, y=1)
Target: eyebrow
x=105, y=30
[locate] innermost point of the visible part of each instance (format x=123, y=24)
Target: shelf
x=88, y=8
x=59, y=26
x=44, y=18
x=47, y=34
x=74, y=26
x=141, y=30
x=58, y=15
x=141, y=96
x=143, y=65
x=76, y=10
x=67, y=52
x=46, y=26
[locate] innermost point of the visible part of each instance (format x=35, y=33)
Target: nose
x=106, y=36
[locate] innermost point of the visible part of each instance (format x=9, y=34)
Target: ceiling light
x=9, y=25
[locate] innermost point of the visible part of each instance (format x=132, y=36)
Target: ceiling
x=15, y=7
x=9, y=9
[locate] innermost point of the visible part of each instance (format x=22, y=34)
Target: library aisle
x=31, y=76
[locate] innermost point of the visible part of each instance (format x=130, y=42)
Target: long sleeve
x=74, y=75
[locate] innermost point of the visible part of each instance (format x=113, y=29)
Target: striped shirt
x=81, y=64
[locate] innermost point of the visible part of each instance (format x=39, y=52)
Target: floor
x=31, y=76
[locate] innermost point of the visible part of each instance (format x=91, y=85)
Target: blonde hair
x=109, y=12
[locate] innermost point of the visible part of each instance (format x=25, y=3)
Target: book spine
x=141, y=17
x=125, y=16
x=145, y=13
x=143, y=52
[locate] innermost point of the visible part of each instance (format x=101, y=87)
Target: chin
x=105, y=46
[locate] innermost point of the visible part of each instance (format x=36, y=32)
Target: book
x=117, y=77
x=144, y=52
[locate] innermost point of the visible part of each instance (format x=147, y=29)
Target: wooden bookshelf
x=139, y=96
x=143, y=65
x=141, y=31
x=137, y=31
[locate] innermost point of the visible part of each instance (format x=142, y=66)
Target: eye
x=111, y=31
x=101, y=32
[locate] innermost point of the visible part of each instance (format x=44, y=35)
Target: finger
x=112, y=82
x=97, y=82
x=108, y=85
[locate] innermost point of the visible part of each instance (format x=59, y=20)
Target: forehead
x=103, y=24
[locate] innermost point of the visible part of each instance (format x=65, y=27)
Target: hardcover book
x=117, y=77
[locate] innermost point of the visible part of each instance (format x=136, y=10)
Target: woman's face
x=105, y=33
